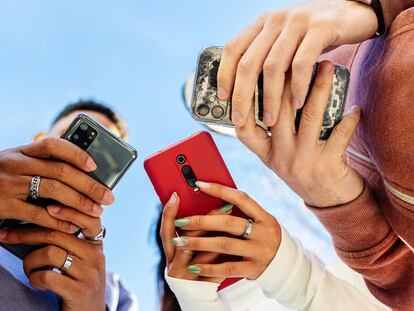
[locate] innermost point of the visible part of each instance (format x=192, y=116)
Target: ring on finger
x=67, y=264
x=97, y=238
x=248, y=229
x=34, y=187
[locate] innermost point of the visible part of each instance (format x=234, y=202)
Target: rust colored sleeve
x=391, y=9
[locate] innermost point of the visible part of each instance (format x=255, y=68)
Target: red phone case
x=208, y=165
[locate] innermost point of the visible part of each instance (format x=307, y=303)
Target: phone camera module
x=84, y=127
x=181, y=159
x=189, y=176
x=75, y=137
x=203, y=110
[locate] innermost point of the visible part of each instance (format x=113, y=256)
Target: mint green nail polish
x=226, y=208
x=194, y=269
x=182, y=222
x=180, y=241
x=197, y=183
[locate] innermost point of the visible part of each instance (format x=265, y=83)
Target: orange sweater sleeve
x=391, y=9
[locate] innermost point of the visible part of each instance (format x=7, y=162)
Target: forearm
x=299, y=281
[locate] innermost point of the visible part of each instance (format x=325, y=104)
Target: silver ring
x=248, y=229
x=99, y=237
x=34, y=187
x=68, y=262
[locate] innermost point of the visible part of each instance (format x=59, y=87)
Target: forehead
x=60, y=127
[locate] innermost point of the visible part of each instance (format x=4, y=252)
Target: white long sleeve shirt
x=293, y=280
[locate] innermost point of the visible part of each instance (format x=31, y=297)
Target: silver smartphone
x=206, y=106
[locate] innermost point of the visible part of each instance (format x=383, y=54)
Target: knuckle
x=231, y=46
x=243, y=196
x=245, y=66
x=277, y=18
x=62, y=169
x=35, y=214
x=84, y=203
x=228, y=222
x=49, y=144
x=341, y=132
x=19, y=236
x=50, y=253
x=197, y=221
x=310, y=114
x=271, y=66
x=52, y=236
x=225, y=244
x=231, y=269
x=237, y=98
x=51, y=186
x=93, y=187
x=300, y=64
x=45, y=278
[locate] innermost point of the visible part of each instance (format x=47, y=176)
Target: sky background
x=135, y=56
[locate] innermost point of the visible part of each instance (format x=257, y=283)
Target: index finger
x=240, y=199
x=232, y=53
x=61, y=149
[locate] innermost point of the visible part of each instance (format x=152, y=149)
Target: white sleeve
x=196, y=295
x=299, y=281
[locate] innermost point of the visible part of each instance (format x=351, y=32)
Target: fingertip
x=173, y=199
x=54, y=209
x=91, y=165
x=3, y=234
x=356, y=109
x=325, y=67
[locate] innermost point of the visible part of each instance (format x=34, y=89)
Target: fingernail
x=180, y=241
x=97, y=210
x=202, y=184
x=54, y=209
x=237, y=118
x=297, y=103
x=325, y=68
x=222, y=93
x=173, y=198
x=109, y=197
x=226, y=208
x=3, y=234
x=182, y=222
x=91, y=165
x=267, y=118
x=194, y=269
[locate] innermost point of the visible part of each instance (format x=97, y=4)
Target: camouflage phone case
x=207, y=108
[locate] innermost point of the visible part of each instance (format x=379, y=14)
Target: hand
x=177, y=259
x=62, y=166
x=257, y=251
x=293, y=37
x=316, y=170
x=83, y=286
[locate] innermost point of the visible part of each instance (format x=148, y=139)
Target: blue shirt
x=16, y=293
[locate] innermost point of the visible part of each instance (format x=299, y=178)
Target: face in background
x=60, y=126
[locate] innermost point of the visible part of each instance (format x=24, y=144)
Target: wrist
x=343, y=192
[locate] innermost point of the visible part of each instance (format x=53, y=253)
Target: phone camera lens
x=186, y=170
x=75, y=137
x=181, y=159
x=217, y=112
x=85, y=143
x=203, y=110
x=84, y=127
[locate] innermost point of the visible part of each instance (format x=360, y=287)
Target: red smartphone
x=179, y=166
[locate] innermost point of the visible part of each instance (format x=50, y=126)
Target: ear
x=39, y=136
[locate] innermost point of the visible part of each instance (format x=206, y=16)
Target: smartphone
x=113, y=157
x=178, y=167
x=207, y=108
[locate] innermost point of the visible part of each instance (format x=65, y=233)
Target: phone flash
x=196, y=189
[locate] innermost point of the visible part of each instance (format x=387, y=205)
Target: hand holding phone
x=208, y=108
x=64, y=184
x=178, y=168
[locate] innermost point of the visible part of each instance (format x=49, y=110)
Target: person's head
x=100, y=112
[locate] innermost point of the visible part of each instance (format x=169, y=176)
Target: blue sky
x=134, y=55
